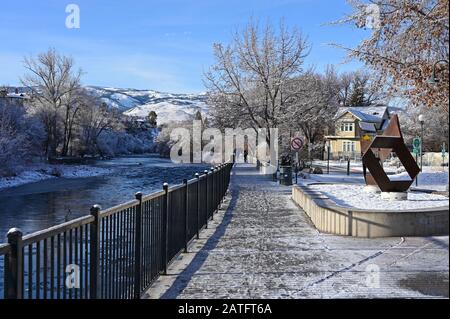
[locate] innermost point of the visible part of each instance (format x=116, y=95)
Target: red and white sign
x=297, y=144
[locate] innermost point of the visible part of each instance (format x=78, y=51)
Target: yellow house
x=354, y=124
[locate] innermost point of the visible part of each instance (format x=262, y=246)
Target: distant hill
x=170, y=107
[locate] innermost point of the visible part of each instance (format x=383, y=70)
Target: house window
x=349, y=146
x=347, y=127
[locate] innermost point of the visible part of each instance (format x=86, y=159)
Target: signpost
x=443, y=153
x=297, y=144
x=417, y=143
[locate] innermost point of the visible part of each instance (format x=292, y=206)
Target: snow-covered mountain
x=139, y=103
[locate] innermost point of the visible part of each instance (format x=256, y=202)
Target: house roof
x=368, y=127
x=370, y=114
x=16, y=95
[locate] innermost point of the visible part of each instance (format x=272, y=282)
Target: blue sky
x=158, y=44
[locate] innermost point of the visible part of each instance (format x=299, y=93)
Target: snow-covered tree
x=53, y=83
x=408, y=38
x=248, y=84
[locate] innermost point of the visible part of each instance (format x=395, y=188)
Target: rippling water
x=39, y=205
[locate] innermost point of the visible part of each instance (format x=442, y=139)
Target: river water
x=43, y=204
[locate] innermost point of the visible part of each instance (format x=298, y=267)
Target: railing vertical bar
x=104, y=258
x=81, y=263
x=30, y=271
x=76, y=260
x=70, y=258
x=58, y=268
x=117, y=256
x=64, y=264
x=38, y=270
x=52, y=268
x=45, y=265
x=87, y=263
x=94, y=253
x=129, y=254
x=122, y=254
x=197, y=176
x=165, y=240
x=137, y=248
x=110, y=251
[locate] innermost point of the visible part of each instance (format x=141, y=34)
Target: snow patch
x=41, y=172
x=347, y=195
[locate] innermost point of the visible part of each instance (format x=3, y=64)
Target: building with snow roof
x=354, y=124
x=16, y=98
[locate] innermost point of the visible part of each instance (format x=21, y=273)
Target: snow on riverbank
x=41, y=172
x=354, y=196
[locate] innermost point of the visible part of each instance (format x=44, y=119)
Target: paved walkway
x=264, y=246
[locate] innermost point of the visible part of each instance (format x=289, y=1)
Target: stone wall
x=333, y=219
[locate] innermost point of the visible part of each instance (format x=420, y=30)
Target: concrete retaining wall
x=331, y=218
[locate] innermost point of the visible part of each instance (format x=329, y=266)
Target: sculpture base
x=394, y=196
x=372, y=189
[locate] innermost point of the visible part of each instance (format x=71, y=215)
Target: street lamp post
x=433, y=80
x=328, y=156
x=421, y=121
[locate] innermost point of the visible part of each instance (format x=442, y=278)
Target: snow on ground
x=350, y=195
x=41, y=172
x=173, y=111
x=433, y=178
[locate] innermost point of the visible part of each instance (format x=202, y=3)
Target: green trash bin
x=286, y=175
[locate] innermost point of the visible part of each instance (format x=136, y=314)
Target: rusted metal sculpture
x=377, y=150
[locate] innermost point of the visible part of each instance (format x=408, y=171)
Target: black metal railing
x=115, y=253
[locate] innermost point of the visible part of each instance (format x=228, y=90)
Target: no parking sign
x=297, y=144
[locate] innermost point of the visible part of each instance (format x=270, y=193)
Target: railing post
x=206, y=197
x=14, y=266
x=220, y=178
x=186, y=212
x=166, y=227
x=217, y=187
x=197, y=176
x=213, y=191
x=137, y=248
x=94, y=247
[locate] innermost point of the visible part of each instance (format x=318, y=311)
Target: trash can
x=286, y=175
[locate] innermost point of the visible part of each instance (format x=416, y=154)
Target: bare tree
x=53, y=82
x=361, y=88
x=313, y=107
x=248, y=84
x=94, y=119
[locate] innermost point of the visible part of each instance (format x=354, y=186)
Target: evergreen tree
x=151, y=118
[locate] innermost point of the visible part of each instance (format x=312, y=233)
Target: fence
x=115, y=253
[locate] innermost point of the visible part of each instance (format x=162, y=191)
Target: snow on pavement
x=264, y=246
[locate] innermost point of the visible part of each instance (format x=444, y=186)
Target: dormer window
x=347, y=127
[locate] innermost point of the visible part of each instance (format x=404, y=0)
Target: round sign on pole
x=416, y=142
x=297, y=143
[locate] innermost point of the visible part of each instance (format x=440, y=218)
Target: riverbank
x=39, y=172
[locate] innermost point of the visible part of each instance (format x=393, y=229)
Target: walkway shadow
x=185, y=277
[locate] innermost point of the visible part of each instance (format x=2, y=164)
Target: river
x=43, y=204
